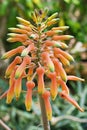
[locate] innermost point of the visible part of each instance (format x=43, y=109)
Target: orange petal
x=72, y=101
x=10, y=68
x=21, y=68
x=27, y=50
x=63, y=28
x=64, y=86
x=28, y=99
x=10, y=94
x=53, y=85
x=64, y=61
x=17, y=87
x=71, y=77
x=60, y=70
x=13, y=52
x=40, y=72
x=47, y=59
x=46, y=96
x=18, y=30
x=62, y=37
x=65, y=54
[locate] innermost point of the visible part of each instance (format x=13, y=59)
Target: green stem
x=45, y=121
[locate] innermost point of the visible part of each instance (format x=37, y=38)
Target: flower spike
x=42, y=57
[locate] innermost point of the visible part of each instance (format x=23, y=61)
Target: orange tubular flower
x=17, y=87
x=46, y=96
x=63, y=28
x=63, y=85
x=62, y=37
x=72, y=101
x=10, y=92
x=47, y=59
x=21, y=68
x=30, y=72
x=13, y=52
x=18, y=30
x=41, y=56
x=10, y=68
x=60, y=69
x=65, y=54
x=64, y=61
x=52, y=43
x=53, y=88
x=71, y=77
x=27, y=50
x=28, y=100
x=40, y=72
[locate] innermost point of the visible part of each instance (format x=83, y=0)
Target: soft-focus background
x=72, y=13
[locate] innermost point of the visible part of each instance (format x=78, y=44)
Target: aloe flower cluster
x=42, y=54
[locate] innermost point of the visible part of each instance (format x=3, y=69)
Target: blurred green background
x=72, y=13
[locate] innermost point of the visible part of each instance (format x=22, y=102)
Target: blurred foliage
x=74, y=14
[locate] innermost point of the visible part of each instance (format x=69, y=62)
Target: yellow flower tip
x=20, y=26
x=12, y=34
x=10, y=94
x=4, y=57
x=53, y=21
x=49, y=116
x=53, y=96
x=52, y=16
x=17, y=75
x=10, y=40
x=28, y=107
x=11, y=29
x=63, y=45
x=23, y=21
x=63, y=28
x=64, y=61
x=51, y=68
x=18, y=87
x=8, y=101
